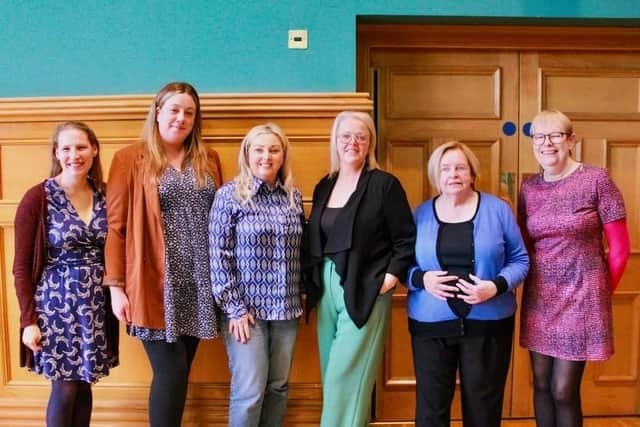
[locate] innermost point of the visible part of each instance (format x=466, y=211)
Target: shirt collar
x=260, y=185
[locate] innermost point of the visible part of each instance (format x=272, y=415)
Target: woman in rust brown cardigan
x=159, y=194
x=67, y=332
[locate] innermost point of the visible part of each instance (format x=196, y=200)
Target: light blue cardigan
x=499, y=251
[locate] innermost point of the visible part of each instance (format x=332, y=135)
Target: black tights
x=70, y=404
x=556, y=394
x=171, y=363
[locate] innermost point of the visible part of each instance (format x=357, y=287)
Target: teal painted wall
x=92, y=47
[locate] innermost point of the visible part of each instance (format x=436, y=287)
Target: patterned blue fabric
x=189, y=308
x=69, y=297
x=255, y=252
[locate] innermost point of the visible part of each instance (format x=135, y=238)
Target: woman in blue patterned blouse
x=255, y=236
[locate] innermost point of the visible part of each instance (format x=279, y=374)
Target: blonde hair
x=370, y=161
x=95, y=172
x=195, y=152
x=555, y=116
x=433, y=165
x=244, y=181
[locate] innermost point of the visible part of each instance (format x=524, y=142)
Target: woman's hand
x=435, y=283
x=478, y=292
x=31, y=337
x=390, y=282
x=240, y=328
x=120, y=304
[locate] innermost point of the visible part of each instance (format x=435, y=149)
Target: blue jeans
x=260, y=372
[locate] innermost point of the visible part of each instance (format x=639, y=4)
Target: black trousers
x=171, y=364
x=483, y=362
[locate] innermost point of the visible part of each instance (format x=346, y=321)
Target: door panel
x=428, y=98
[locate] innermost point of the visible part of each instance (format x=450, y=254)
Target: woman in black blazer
x=361, y=238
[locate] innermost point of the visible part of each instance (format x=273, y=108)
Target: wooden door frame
x=371, y=36
x=505, y=37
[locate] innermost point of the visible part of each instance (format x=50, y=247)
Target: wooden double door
x=435, y=84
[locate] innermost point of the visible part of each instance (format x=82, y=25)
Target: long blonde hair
x=244, y=181
x=195, y=152
x=370, y=161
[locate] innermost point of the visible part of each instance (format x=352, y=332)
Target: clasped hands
x=436, y=283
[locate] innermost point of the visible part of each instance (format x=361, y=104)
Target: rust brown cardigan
x=135, y=248
x=28, y=264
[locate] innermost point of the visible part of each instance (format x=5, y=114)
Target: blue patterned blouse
x=255, y=252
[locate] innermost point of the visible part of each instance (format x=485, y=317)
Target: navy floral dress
x=188, y=301
x=69, y=298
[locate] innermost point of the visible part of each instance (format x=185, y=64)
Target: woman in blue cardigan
x=461, y=302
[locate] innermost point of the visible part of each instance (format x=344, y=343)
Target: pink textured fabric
x=566, y=305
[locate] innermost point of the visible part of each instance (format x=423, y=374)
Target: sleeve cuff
x=416, y=279
x=30, y=318
x=236, y=312
x=113, y=282
x=501, y=285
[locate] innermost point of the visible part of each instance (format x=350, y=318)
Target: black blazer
x=373, y=234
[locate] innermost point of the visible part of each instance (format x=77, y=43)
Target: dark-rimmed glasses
x=554, y=137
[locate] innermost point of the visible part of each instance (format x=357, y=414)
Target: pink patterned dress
x=566, y=305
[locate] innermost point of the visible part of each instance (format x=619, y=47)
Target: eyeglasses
x=358, y=138
x=554, y=137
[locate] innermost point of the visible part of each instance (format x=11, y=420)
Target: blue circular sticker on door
x=509, y=128
x=526, y=129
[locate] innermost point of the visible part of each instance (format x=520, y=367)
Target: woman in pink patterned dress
x=566, y=306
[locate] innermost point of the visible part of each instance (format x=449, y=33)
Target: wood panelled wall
x=121, y=399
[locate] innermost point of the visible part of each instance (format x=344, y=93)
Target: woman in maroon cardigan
x=68, y=334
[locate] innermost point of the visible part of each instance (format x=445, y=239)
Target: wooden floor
x=588, y=422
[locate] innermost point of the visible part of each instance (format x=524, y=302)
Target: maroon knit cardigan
x=28, y=265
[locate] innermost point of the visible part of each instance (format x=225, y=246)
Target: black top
x=373, y=234
x=327, y=221
x=454, y=249
x=456, y=254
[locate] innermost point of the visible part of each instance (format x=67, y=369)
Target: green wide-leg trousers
x=349, y=357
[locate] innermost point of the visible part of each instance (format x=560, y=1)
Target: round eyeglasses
x=358, y=138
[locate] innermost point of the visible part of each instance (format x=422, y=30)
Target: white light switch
x=298, y=39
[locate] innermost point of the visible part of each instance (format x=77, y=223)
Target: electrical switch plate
x=298, y=39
